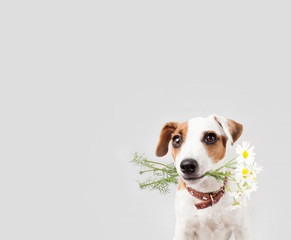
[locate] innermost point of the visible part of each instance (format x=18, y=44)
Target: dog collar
x=209, y=199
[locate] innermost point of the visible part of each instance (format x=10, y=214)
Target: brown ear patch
x=235, y=129
x=217, y=150
x=165, y=137
x=169, y=130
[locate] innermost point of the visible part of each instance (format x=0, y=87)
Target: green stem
x=158, y=163
x=238, y=186
x=164, y=179
x=225, y=165
x=157, y=169
x=148, y=165
x=152, y=170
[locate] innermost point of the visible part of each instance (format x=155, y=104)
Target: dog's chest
x=211, y=217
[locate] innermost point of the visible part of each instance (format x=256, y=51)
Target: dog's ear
x=165, y=138
x=232, y=129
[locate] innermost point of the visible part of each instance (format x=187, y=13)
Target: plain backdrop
x=85, y=84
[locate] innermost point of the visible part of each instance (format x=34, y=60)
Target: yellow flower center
x=254, y=178
x=245, y=171
x=245, y=154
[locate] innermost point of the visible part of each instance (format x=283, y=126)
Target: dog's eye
x=177, y=141
x=210, y=138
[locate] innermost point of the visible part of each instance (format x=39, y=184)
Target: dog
x=199, y=146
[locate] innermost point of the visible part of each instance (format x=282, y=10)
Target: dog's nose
x=188, y=166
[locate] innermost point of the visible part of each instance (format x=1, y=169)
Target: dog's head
x=198, y=145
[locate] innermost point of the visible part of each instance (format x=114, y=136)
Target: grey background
x=84, y=84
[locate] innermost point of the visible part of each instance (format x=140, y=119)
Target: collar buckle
x=211, y=198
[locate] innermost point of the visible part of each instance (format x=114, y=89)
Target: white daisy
x=242, y=172
x=246, y=153
x=245, y=175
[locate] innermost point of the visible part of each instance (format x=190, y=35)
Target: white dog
x=199, y=146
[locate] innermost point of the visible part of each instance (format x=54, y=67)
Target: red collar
x=209, y=198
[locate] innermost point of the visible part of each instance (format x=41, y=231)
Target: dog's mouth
x=193, y=178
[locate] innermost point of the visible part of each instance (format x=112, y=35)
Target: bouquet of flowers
x=242, y=170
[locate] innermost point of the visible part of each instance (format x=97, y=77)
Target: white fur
x=213, y=222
